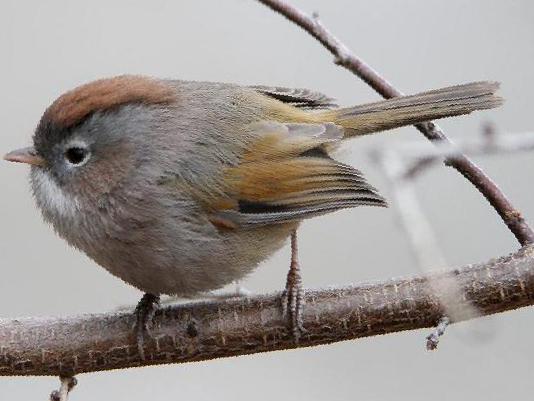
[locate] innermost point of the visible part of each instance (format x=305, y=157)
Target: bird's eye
x=76, y=155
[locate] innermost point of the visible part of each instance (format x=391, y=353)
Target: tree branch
x=207, y=330
x=344, y=57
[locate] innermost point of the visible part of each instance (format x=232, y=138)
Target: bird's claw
x=293, y=303
x=144, y=312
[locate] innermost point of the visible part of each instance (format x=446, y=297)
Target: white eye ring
x=77, y=154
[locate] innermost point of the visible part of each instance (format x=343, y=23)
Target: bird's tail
x=407, y=110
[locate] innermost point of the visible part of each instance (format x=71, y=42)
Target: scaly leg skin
x=293, y=296
x=144, y=313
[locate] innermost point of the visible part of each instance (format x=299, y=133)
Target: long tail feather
x=407, y=110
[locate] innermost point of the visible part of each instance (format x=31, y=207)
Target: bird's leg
x=293, y=296
x=144, y=313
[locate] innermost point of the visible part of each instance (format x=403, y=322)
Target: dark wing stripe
x=264, y=218
x=326, y=197
x=331, y=192
x=301, y=98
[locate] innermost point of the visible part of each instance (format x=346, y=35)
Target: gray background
x=49, y=47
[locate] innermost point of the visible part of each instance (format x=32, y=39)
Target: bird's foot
x=293, y=304
x=144, y=312
x=293, y=295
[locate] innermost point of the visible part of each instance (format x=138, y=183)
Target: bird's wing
x=287, y=175
x=298, y=97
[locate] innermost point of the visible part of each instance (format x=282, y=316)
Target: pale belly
x=189, y=267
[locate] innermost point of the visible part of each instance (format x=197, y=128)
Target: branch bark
x=344, y=57
x=207, y=330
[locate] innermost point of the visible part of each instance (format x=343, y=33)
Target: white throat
x=50, y=197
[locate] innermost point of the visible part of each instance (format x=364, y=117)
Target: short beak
x=25, y=155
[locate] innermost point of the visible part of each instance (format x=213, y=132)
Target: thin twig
x=432, y=340
x=67, y=384
x=344, y=57
x=419, y=158
x=207, y=330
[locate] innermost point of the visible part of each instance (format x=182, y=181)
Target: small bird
x=181, y=187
